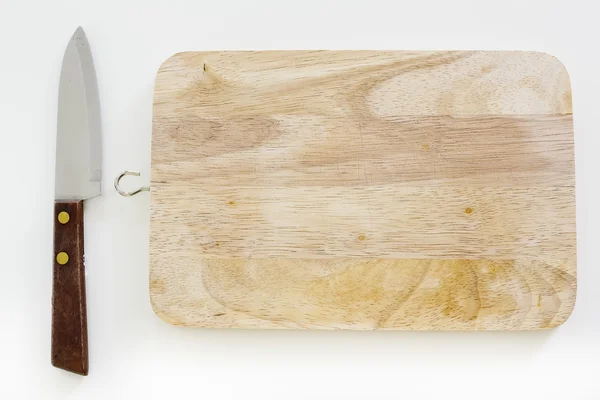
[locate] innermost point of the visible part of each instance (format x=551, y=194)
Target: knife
x=78, y=177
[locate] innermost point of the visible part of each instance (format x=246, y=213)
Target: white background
x=133, y=354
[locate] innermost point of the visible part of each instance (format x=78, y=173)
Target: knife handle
x=69, y=319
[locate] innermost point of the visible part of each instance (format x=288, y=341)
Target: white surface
x=133, y=354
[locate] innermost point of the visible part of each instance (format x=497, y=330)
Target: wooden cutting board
x=363, y=190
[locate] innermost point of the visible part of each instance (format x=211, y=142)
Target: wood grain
x=363, y=190
x=69, y=311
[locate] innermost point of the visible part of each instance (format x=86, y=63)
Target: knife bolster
x=69, y=319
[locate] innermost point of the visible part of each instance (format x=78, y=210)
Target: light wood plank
x=361, y=294
x=377, y=222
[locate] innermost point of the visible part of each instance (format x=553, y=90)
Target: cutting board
x=363, y=190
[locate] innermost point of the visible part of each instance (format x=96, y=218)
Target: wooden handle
x=69, y=320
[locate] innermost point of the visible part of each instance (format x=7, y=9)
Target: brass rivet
x=62, y=258
x=63, y=217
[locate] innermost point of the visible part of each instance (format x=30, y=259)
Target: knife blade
x=78, y=176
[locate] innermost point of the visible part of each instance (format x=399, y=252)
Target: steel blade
x=78, y=138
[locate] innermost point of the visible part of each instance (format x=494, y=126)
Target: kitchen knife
x=78, y=175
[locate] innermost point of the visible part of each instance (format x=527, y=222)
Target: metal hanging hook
x=124, y=193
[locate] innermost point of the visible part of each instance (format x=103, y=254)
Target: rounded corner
x=160, y=314
x=166, y=63
x=568, y=316
x=556, y=60
x=559, y=67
